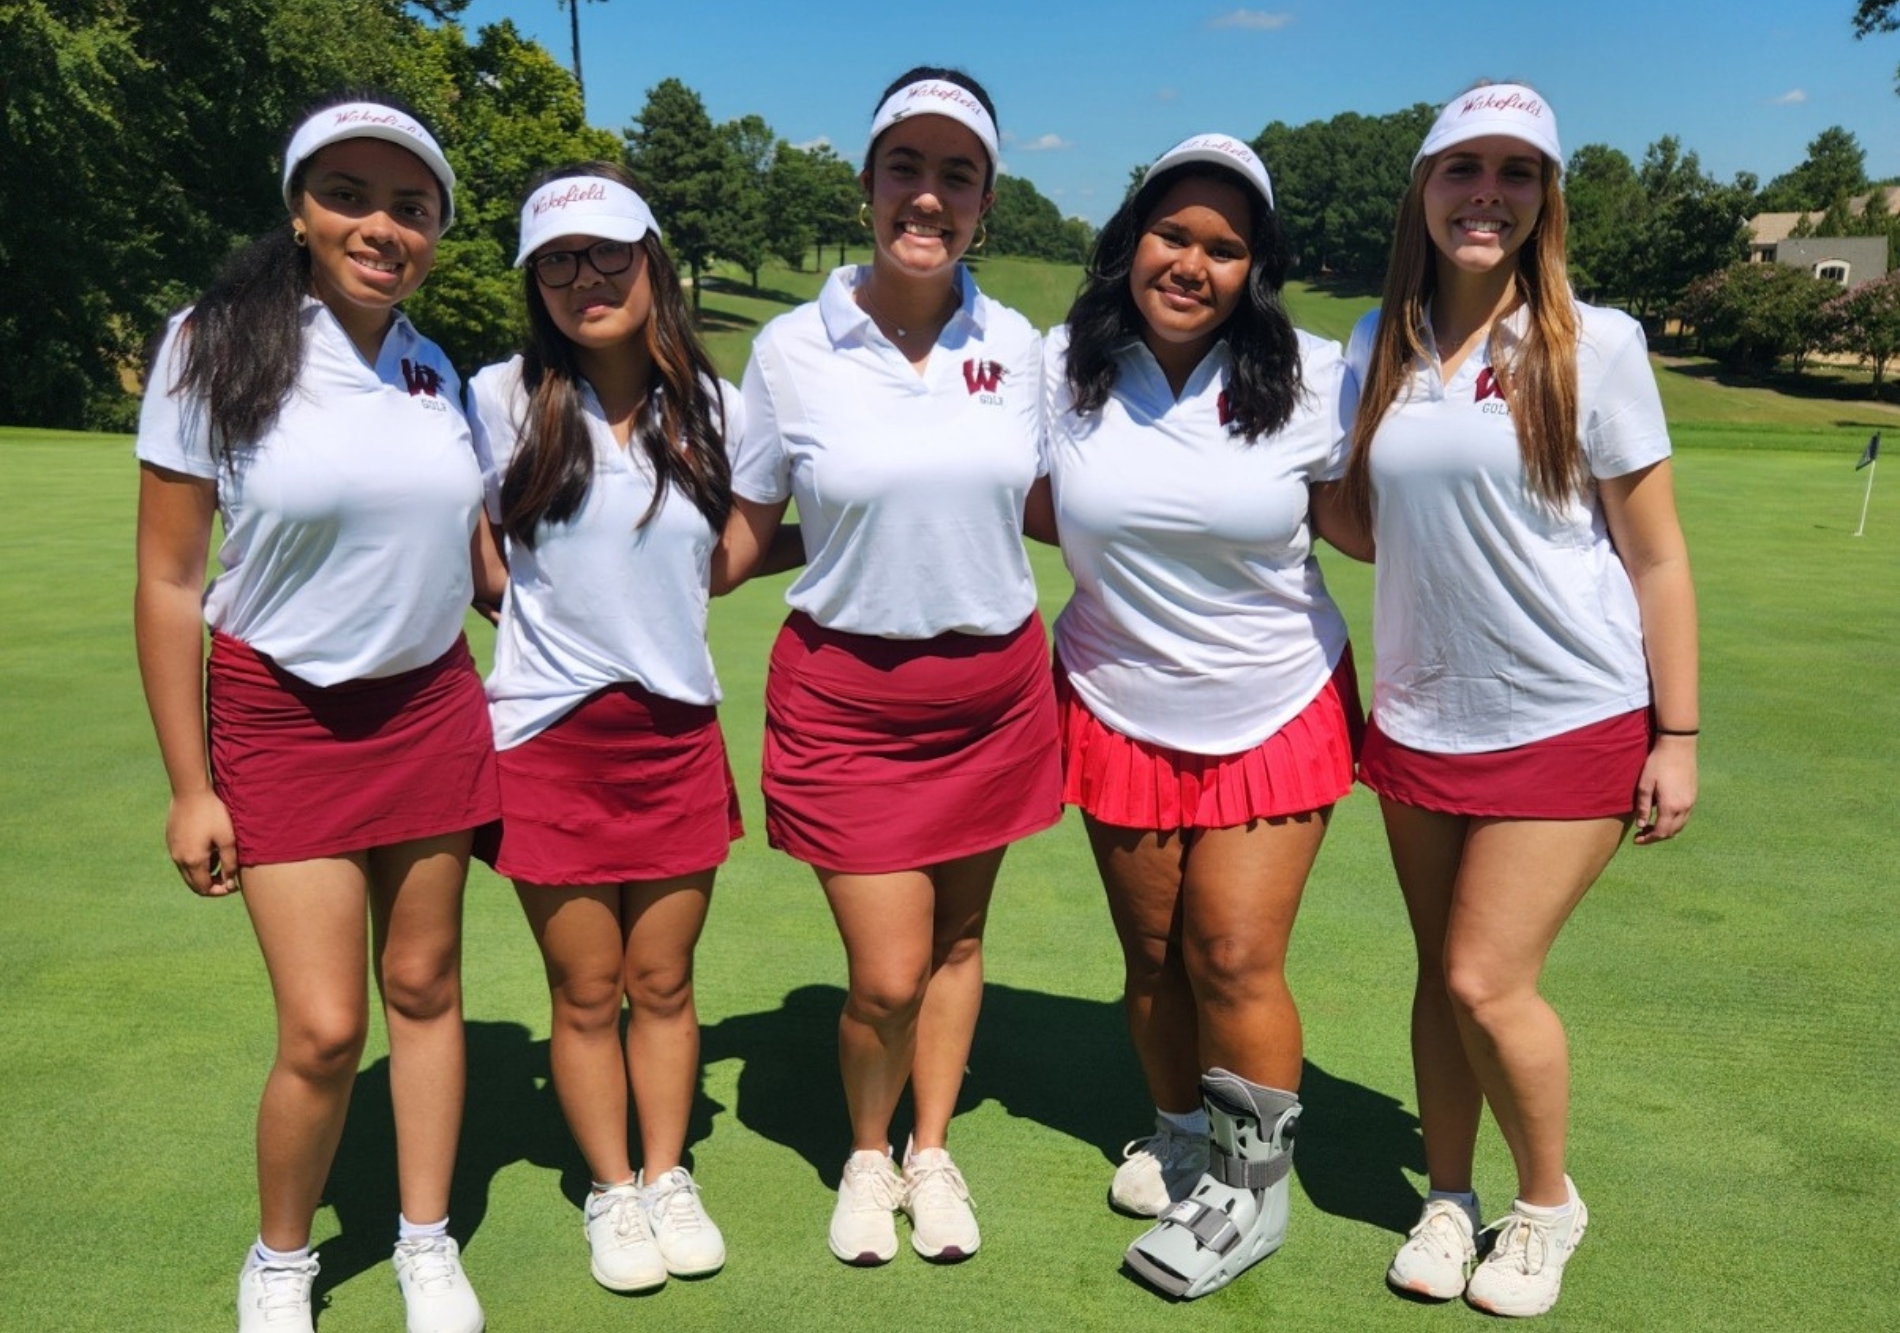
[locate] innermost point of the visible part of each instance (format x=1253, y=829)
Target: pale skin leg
x=1204, y=919
x=1487, y=898
x=914, y=951
x=601, y=943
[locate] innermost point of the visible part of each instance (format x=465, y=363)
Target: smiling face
x=370, y=213
x=1482, y=201
x=926, y=187
x=599, y=310
x=1191, y=268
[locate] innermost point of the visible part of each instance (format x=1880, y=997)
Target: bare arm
x=1039, y=513
x=490, y=568
x=1641, y=510
x=174, y=543
x=1333, y=520
x=754, y=543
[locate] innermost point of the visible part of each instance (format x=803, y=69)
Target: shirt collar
x=845, y=320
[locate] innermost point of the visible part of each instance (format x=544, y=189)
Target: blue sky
x=1084, y=91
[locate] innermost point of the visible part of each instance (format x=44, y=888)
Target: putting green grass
x=1729, y=998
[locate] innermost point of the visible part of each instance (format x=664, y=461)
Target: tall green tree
x=1605, y=206
x=1835, y=167
x=1023, y=221
x=681, y=164
x=1338, y=183
x=1693, y=225
x=745, y=230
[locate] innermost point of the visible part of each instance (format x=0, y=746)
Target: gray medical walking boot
x=1236, y=1215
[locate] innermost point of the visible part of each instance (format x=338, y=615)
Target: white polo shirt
x=1498, y=621
x=347, y=526
x=599, y=599
x=1200, y=621
x=910, y=487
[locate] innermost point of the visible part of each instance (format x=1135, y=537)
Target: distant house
x=1848, y=260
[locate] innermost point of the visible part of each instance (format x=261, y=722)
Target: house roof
x=1768, y=228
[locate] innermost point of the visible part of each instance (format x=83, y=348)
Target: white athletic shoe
x=1157, y=1171
x=689, y=1242
x=937, y=1201
x=435, y=1290
x=273, y=1298
x=863, y=1230
x=1525, y=1269
x=1435, y=1260
x=624, y=1257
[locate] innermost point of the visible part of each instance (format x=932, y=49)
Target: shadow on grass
x=511, y=1116
x=713, y=282
x=723, y=321
x=1813, y=384
x=1066, y=1064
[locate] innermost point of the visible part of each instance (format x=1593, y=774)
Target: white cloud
x=822, y=141
x=1255, y=20
x=1044, y=144
x=1793, y=97
x=1168, y=95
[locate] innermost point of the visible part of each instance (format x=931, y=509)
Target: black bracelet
x=1671, y=731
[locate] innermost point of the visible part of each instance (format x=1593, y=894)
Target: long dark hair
x=1264, y=385
x=944, y=74
x=244, y=336
x=680, y=426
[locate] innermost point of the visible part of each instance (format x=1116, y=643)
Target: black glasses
x=559, y=268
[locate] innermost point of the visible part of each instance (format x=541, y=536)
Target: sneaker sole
x=1421, y=1290
x=653, y=1284
x=949, y=1254
x=1126, y=1209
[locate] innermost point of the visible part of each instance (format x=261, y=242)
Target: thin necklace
x=870, y=308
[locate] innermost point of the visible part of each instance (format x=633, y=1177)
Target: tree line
x=139, y=133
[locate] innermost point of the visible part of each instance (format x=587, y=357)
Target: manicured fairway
x=1731, y=1000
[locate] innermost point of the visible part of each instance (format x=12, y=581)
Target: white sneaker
x=1158, y=1171
x=689, y=1243
x=435, y=1290
x=1436, y=1258
x=942, y=1223
x=1525, y=1269
x=624, y=1255
x=863, y=1231
x=274, y=1298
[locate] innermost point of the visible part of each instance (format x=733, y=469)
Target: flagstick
x=1861, y=531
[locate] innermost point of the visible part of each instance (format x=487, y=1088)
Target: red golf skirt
x=308, y=771
x=888, y=754
x=1589, y=773
x=628, y=786
x=1130, y=783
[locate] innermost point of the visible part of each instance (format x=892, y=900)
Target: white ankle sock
x=407, y=1230
x=1465, y=1199
x=1190, y=1122
x=279, y=1258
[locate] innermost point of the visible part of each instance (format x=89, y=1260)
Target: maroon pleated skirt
x=310, y=771
x=886, y=754
x=1306, y=764
x=628, y=786
x=1589, y=773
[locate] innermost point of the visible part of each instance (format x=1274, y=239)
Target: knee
x=422, y=990
x=1229, y=971
x=1479, y=992
x=324, y=1048
x=890, y=1000
x=587, y=1002
x=661, y=990
x=957, y=951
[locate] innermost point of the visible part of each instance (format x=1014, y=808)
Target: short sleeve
x=732, y=415
x=174, y=428
x=1039, y=350
x=1624, y=429
x=1325, y=375
x=495, y=429
x=761, y=467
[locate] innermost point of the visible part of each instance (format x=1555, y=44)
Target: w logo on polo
x=1488, y=386
x=420, y=377
x=1224, y=409
x=983, y=376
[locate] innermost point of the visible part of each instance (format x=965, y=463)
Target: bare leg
x=308, y=916
x=953, y=995
x=662, y=920
x=416, y=911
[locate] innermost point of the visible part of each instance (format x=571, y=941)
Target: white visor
x=1507, y=109
x=369, y=120
x=936, y=97
x=1221, y=150
x=583, y=206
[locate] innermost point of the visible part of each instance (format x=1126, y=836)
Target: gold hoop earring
x=296, y=235
x=982, y=236
x=864, y=215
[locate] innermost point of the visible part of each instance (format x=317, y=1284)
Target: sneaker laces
x=675, y=1200
x=1438, y=1227
x=285, y=1288
x=1523, y=1244
x=430, y=1261
x=621, y=1209
x=875, y=1188
x=926, y=1181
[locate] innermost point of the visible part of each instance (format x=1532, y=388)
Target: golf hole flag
x=1870, y=453
x=1868, y=457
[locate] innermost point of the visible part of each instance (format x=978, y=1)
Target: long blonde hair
x=1539, y=378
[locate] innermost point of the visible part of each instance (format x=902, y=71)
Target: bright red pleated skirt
x=886, y=754
x=1589, y=773
x=1306, y=764
x=309, y=771
x=628, y=786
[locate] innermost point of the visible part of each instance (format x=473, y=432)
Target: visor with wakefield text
x=369, y=120
x=1507, y=109
x=583, y=206
x=1221, y=150
x=936, y=97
